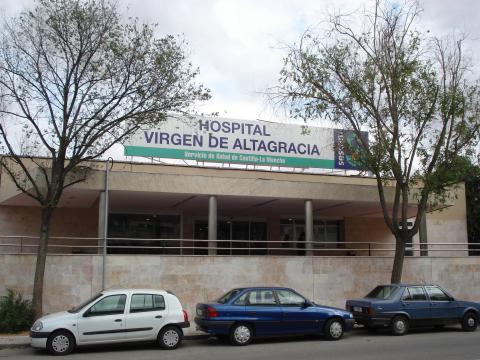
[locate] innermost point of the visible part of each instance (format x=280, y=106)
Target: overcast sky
x=237, y=44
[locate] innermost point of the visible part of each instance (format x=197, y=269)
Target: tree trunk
x=37, y=299
x=398, y=260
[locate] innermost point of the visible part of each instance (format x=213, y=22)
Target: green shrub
x=16, y=314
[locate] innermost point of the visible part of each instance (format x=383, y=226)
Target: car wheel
x=470, y=322
x=241, y=334
x=334, y=329
x=399, y=325
x=169, y=337
x=60, y=343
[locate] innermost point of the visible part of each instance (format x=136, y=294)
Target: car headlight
x=350, y=316
x=37, y=326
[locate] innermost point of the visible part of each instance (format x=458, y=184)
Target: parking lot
x=448, y=343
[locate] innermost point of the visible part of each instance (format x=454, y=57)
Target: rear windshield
x=228, y=296
x=383, y=292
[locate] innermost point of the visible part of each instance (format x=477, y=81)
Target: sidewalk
x=9, y=341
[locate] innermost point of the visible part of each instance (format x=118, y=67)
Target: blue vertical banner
x=347, y=147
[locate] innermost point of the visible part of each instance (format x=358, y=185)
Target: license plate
x=357, y=309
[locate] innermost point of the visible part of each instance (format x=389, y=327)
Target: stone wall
x=24, y=221
x=449, y=226
x=326, y=280
x=373, y=229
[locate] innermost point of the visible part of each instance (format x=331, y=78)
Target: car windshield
x=77, y=308
x=383, y=292
x=228, y=296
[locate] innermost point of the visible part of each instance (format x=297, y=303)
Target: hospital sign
x=265, y=143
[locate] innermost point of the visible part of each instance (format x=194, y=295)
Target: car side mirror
x=306, y=304
x=87, y=313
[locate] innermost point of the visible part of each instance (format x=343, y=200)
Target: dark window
x=414, y=293
x=406, y=295
x=436, y=294
x=289, y=298
x=224, y=233
x=258, y=233
x=241, y=237
x=201, y=237
x=242, y=300
x=383, y=292
x=110, y=305
x=261, y=297
x=144, y=234
x=326, y=234
x=228, y=296
x=234, y=237
x=146, y=302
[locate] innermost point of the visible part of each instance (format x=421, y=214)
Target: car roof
x=263, y=287
x=133, y=290
x=408, y=284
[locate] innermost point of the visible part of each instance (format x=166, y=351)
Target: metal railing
x=89, y=246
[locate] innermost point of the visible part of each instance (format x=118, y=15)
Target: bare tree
x=411, y=93
x=74, y=80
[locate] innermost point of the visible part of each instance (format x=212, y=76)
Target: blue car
x=245, y=313
x=400, y=306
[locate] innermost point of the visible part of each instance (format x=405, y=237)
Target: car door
x=297, y=317
x=443, y=308
x=146, y=315
x=415, y=303
x=104, y=321
x=263, y=311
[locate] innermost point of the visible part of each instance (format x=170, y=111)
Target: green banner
x=229, y=157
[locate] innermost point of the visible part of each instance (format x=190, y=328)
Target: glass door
x=234, y=237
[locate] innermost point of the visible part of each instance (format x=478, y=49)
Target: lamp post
x=108, y=167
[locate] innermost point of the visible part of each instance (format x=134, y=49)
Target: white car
x=113, y=316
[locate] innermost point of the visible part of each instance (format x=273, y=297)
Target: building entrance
x=238, y=237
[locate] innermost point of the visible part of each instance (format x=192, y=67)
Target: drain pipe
x=108, y=167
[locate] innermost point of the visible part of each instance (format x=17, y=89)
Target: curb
x=14, y=345
x=197, y=337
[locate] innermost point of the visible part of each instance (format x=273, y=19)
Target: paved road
x=449, y=343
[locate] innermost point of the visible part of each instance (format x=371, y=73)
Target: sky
x=239, y=45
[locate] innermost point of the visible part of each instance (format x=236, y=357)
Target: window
x=77, y=308
x=110, y=305
x=289, y=298
x=414, y=294
x=242, y=300
x=146, y=302
x=161, y=234
x=228, y=296
x=326, y=234
x=383, y=292
x=261, y=297
x=238, y=237
x=436, y=294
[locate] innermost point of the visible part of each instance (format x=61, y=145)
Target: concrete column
x=212, y=224
x=101, y=220
x=308, y=227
